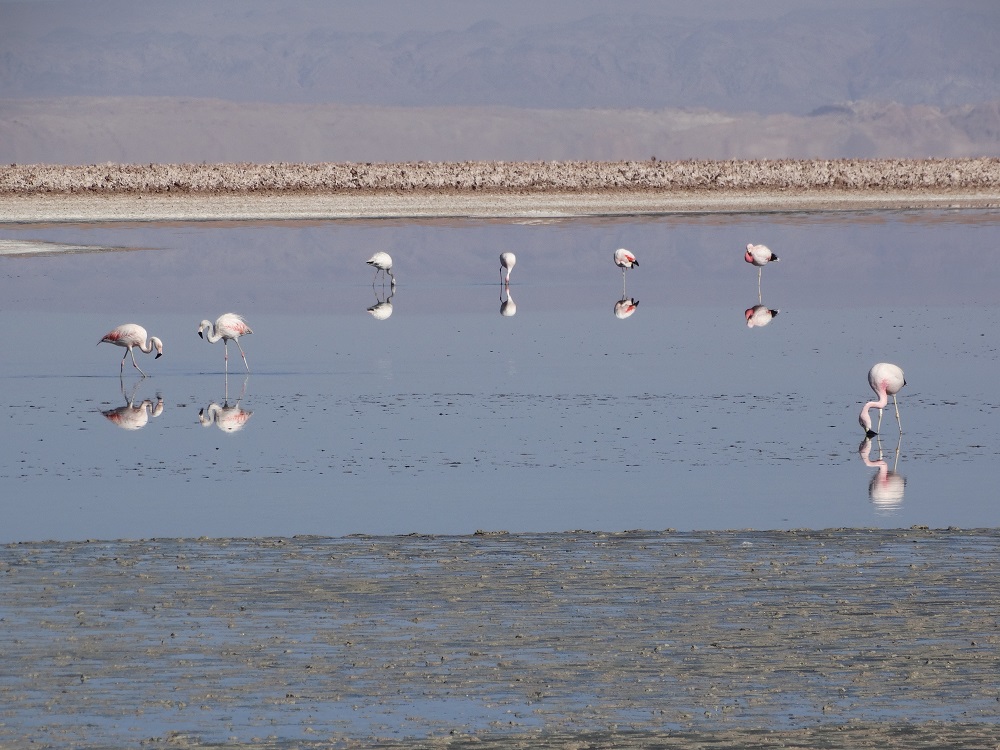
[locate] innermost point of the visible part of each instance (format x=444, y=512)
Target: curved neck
x=147, y=347
x=865, y=420
x=211, y=334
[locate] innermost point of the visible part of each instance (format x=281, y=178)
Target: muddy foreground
x=856, y=638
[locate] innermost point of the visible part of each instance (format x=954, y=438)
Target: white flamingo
x=132, y=335
x=228, y=327
x=886, y=380
x=760, y=256
x=507, y=261
x=382, y=263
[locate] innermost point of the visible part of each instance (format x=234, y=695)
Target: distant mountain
x=85, y=130
x=939, y=54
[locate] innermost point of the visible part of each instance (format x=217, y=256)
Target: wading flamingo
x=507, y=261
x=885, y=379
x=229, y=326
x=129, y=335
x=760, y=256
x=624, y=259
x=382, y=262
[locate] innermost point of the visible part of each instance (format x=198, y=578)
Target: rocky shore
x=580, y=176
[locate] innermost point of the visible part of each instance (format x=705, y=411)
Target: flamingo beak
x=870, y=434
x=200, y=334
x=158, y=355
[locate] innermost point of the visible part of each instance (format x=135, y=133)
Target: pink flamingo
x=229, y=327
x=507, y=261
x=624, y=259
x=760, y=256
x=382, y=263
x=129, y=335
x=885, y=379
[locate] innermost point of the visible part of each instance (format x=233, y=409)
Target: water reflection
x=227, y=418
x=886, y=486
x=625, y=307
x=759, y=316
x=130, y=416
x=382, y=308
x=507, y=307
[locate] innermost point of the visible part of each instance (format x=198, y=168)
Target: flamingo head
x=202, y=326
x=866, y=423
x=159, y=346
x=748, y=257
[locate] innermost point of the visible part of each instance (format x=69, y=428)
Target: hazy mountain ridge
x=913, y=54
x=180, y=130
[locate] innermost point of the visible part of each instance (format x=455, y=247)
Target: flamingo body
x=625, y=259
x=886, y=380
x=382, y=263
x=507, y=261
x=132, y=417
x=228, y=327
x=227, y=418
x=759, y=255
x=131, y=335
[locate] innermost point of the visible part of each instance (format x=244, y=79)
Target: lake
x=463, y=408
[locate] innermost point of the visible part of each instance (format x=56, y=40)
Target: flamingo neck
x=147, y=347
x=211, y=334
x=865, y=420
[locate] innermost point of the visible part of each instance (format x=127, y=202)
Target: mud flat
x=192, y=192
x=848, y=638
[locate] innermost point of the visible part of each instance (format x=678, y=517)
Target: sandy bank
x=727, y=639
x=112, y=192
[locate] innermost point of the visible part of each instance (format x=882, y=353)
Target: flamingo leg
x=879, y=428
x=759, y=271
x=900, y=424
x=244, y=355
x=225, y=346
x=136, y=364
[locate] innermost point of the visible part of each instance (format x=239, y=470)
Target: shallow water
x=448, y=417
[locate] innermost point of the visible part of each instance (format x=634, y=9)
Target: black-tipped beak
x=870, y=433
x=158, y=355
x=200, y=335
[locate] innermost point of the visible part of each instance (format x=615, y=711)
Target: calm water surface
x=448, y=416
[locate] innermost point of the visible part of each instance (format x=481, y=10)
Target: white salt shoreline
x=300, y=206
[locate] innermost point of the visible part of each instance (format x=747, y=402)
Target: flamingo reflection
x=759, y=316
x=507, y=306
x=625, y=307
x=886, y=486
x=227, y=418
x=382, y=308
x=130, y=416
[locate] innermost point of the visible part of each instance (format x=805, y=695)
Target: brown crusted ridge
x=496, y=176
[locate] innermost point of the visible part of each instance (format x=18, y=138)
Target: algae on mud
x=639, y=638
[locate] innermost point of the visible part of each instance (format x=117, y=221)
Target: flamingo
x=507, y=261
x=885, y=379
x=382, y=308
x=227, y=418
x=624, y=259
x=382, y=262
x=229, y=326
x=760, y=256
x=129, y=335
x=759, y=315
